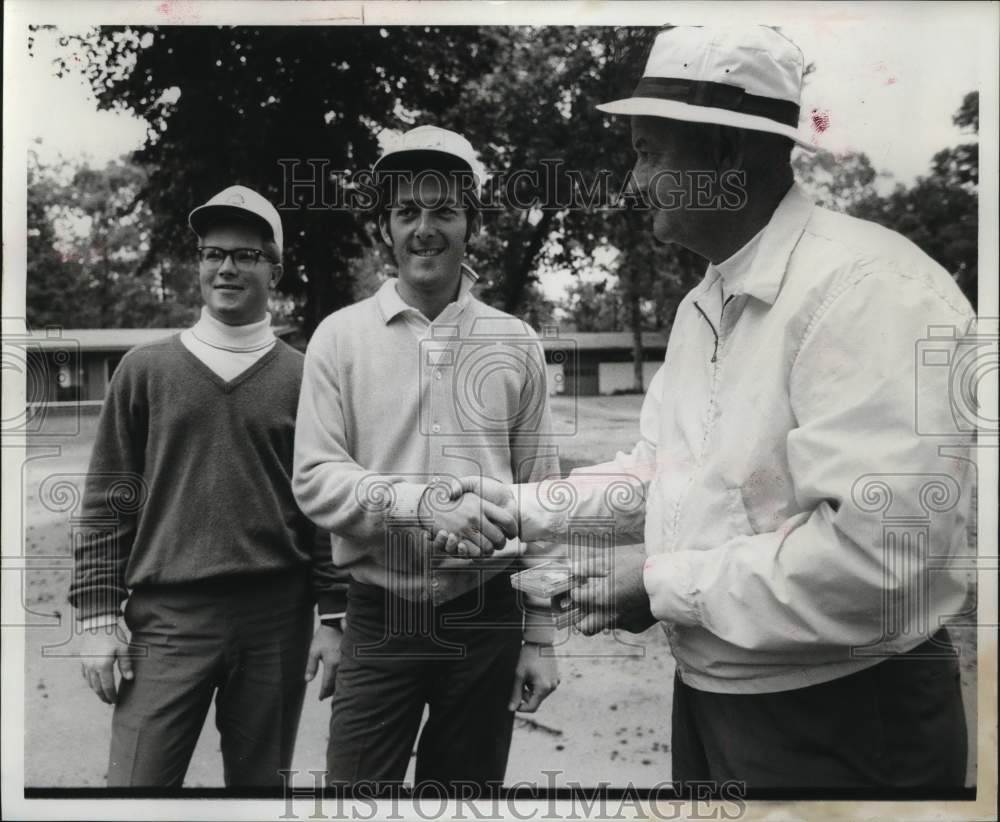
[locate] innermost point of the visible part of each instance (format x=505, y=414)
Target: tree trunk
x=515, y=278
x=635, y=320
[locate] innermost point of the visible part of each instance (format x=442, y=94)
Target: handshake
x=474, y=516
x=470, y=517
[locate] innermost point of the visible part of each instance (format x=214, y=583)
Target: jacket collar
x=391, y=305
x=762, y=279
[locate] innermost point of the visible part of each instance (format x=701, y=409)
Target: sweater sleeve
x=614, y=490
x=332, y=489
x=535, y=457
x=329, y=583
x=114, y=494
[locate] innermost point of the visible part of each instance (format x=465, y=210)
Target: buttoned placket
x=437, y=342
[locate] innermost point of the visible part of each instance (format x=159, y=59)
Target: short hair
x=417, y=163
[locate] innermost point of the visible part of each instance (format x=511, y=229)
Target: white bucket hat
x=746, y=77
x=405, y=150
x=240, y=201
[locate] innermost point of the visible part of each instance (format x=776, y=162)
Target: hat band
x=718, y=95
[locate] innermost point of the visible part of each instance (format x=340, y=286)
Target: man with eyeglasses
x=196, y=529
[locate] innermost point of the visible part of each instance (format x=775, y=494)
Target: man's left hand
x=325, y=647
x=614, y=595
x=536, y=677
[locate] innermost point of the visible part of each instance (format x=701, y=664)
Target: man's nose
x=425, y=226
x=639, y=183
x=228, y=267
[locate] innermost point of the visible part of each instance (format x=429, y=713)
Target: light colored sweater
x=383, y=414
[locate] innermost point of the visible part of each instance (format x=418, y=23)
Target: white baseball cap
x=406, y=150
x=237, y=201
x=742, y=76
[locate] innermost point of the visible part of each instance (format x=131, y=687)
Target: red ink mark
x=891, y=81
x=820, y=120
x=179, y=11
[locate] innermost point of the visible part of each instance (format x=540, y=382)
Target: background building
x=74, y=366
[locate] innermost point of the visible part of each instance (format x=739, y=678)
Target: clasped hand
x=473, y=518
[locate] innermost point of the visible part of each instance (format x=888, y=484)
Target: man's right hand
x=480, y=526
x=99, y=649
x=494, y=492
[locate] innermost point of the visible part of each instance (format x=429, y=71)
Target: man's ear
x=383, y=229
x=730, y=148
x=277, y=272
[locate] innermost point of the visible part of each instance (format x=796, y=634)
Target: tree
x=87, y=236
x=535, y=113
x=939, y=212
x=54, y=284
x=594, y=306
x=939, y=217
x=837, y=181
x=227, y=104
x=649, y=281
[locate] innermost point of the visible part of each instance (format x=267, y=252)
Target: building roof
x=602, y=340
x=122, y=339
x=107, y=339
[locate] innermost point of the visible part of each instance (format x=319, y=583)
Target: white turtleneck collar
x=228, y=349
x=247, y=337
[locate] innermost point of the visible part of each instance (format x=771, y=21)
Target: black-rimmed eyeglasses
x=244, y=259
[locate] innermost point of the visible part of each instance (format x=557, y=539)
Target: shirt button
x=436, y=428
x=437, y=375
x=434, y=582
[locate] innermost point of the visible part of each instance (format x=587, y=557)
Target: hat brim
x=423, y=159
x=203, y=217
x=676, y=110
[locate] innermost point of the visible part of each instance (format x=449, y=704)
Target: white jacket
x=805, y=460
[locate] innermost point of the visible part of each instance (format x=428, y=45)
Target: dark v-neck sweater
x=190, y=478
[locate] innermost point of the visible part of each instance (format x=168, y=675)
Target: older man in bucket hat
x=800, y=531
x=197, y=532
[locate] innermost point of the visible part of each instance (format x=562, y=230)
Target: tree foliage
x=226, y=104
x=939, y=212
x=229, y=104
x=87, y=234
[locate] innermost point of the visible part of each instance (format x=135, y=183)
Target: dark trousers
x=898, y=724
x=244, y=640
x=398, y=656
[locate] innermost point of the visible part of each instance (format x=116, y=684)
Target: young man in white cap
x=197, y=532
x=801, y=532
x=401, y=392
